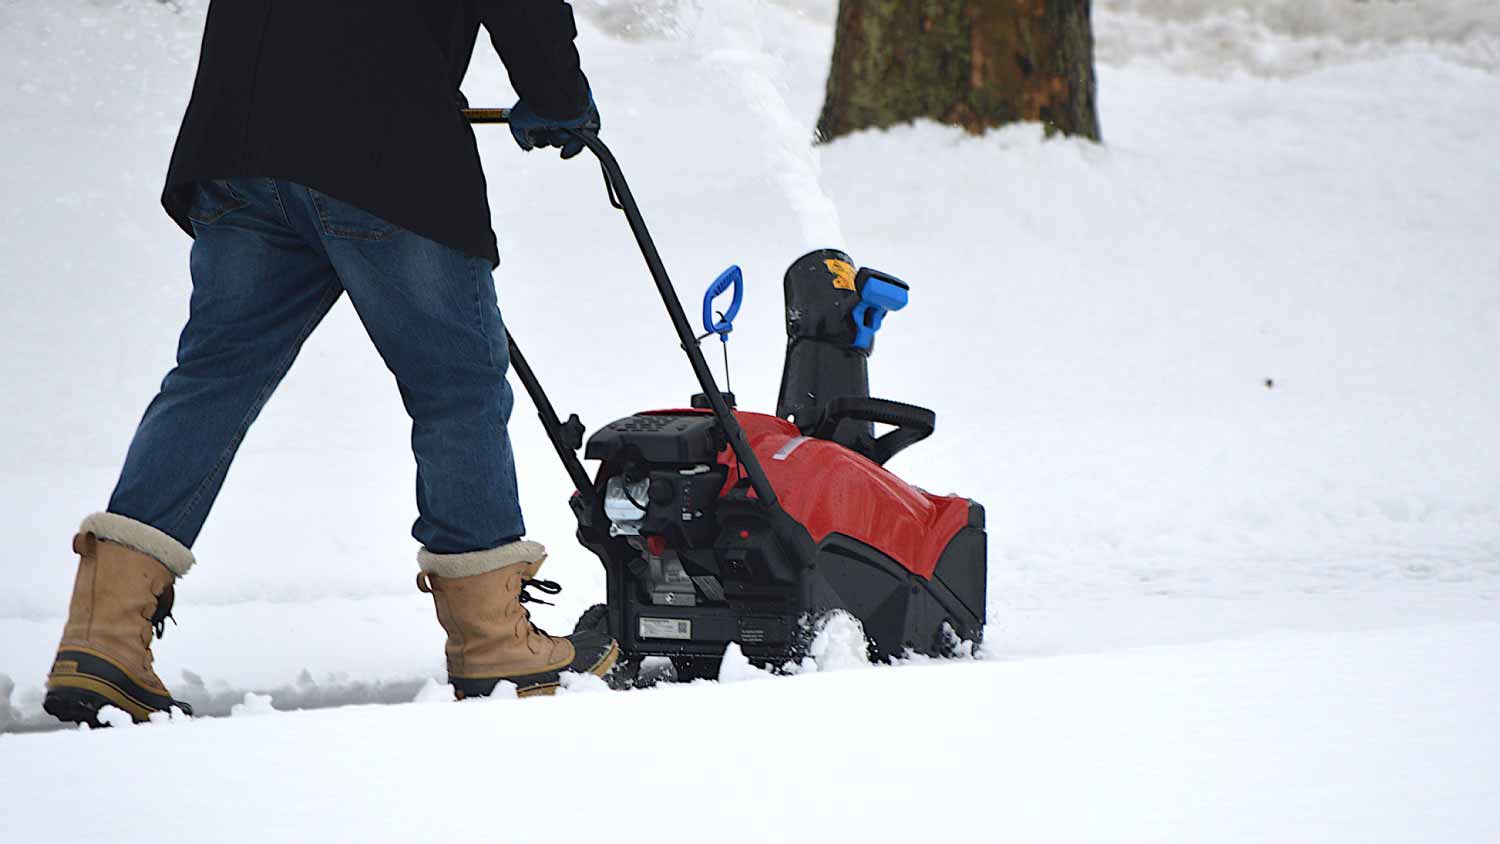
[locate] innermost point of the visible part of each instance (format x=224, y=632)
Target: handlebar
x=621, y=198
x=487, y=115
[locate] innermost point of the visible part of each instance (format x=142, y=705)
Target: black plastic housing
x=821, y=361
x=672, y=440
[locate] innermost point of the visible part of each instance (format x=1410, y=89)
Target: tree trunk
x=971, y=63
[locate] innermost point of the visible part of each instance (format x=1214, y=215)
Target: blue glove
x=531, y=130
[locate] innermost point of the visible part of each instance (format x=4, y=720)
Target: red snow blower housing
x=719, y=526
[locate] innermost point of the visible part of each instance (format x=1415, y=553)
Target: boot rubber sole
x=533, y=685
x=84, y=681
x=77, y=706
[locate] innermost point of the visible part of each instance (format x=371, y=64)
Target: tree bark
x=971, y=63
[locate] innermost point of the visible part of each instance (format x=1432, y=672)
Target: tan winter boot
x=123, y=592
x=479, y=599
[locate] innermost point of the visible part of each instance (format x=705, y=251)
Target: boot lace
x=546, y=587
x=163, y=612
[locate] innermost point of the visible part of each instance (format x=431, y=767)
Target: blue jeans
x=269, y=259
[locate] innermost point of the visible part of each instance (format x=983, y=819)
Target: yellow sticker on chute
x=843, y=274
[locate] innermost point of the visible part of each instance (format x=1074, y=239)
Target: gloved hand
x=531, y=130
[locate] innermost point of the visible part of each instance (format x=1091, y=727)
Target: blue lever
x=877, y=297
x=730, y=277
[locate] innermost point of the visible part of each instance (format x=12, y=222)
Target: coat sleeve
x=535, y=41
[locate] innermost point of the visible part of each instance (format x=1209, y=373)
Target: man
x=324, y=152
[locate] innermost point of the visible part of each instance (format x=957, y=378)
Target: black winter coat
x=359, y=99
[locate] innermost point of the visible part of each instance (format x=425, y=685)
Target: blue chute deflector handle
x=731, y=277
x=879, y=294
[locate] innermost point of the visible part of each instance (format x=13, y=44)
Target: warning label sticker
x=843, y=274
x=666, y=628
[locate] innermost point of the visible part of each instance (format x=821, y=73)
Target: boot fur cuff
x=141, y=537
x=480, y=562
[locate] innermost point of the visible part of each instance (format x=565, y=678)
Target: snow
x=1292, y=737
x=434, y=692
x=113, y=716
x=254, y=705
x=1284, y=37
x=1224, y=385
x=737, y=668
x=583, y=684
x=838, y=644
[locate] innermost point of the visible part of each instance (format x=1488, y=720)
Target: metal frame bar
x=621, y=196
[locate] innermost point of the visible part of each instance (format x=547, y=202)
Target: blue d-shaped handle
x=731, y=277
x=877, y=297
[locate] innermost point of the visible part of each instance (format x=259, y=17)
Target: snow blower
x=718, y=526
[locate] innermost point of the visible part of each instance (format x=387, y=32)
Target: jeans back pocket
x=340, y=219
x=212, y=200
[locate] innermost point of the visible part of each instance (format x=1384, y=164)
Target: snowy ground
x=1367, y=737
x=1299, y=192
